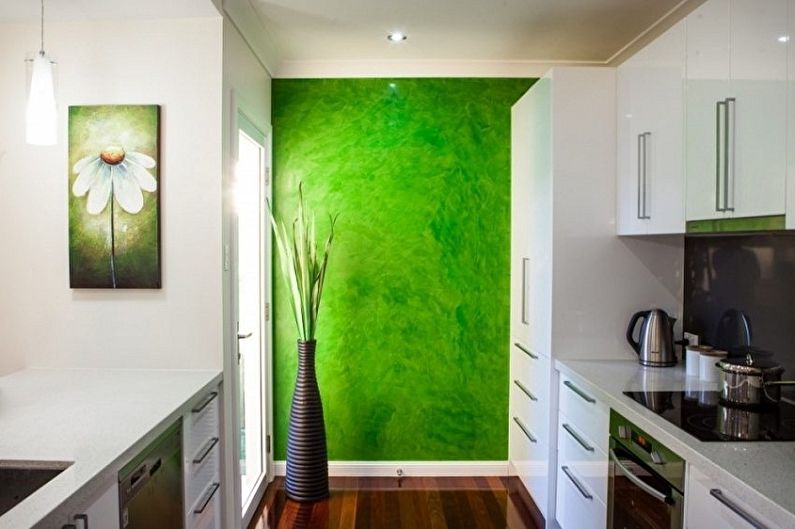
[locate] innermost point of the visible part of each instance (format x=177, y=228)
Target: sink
x=20, y=479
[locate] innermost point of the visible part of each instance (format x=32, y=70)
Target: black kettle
x=655, y=343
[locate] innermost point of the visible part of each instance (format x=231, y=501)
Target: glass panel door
x=251, y=336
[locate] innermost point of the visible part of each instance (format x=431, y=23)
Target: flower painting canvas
x=114, y=196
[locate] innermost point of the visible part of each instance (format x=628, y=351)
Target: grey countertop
x=97, y=419
x=761, y=473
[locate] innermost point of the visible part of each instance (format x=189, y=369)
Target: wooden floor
x=408, y=503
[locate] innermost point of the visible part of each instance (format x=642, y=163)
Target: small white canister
x=707, y=360
x=692, y=355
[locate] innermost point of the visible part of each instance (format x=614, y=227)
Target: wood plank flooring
x=406, y=503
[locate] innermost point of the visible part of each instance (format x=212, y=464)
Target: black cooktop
x=704, y=416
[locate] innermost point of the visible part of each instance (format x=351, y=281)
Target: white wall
x=176, y=63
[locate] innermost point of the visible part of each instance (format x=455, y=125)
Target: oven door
x=638, y=498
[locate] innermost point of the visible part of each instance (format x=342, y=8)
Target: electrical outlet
x=692, y=339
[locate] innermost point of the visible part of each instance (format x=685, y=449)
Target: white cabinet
x=710, y=506
x=100, y=511
x=582, y=463
x=651, y=137
x=564, y=219
x=530, y=404
x=202, y=462
x=736, y=101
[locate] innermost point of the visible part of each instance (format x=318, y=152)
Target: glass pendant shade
x=41, y=116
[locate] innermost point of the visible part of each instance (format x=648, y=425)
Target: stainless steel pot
x=750, y=382
x=738, y=423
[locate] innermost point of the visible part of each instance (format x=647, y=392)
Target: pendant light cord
x=41, y=49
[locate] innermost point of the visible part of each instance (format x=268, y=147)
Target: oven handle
x=645, y=487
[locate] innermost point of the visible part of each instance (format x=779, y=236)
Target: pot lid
x=749, y=365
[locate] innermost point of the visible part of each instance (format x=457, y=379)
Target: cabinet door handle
x=587, y=398
x=640, y=176
x=206, y=402
x=525, y=350
x=577, y=437
x=525, y=391
x=718, y=495
x=585, y=494
x=207, y=497
x=718, y=155
x=525, y=430
x=525, y=271
x=205, y=451
x=646, y=136
x=729, y=144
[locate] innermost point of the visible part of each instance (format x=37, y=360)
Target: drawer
x=591, y=417
x=531, y=462
x=530, y=368
x=202, y=468
x=582, y=455
x=706, y=510
x=574, y=509
x=534, y=413
x=202, y=422
x=208, y=507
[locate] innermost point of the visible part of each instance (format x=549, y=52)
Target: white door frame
x=239, y=121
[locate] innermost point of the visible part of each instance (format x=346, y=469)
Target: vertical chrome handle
x=718, y=495
x=525, y=271
x=646, y=136
x=729, y=144
x=718, y=155
x=640, y=176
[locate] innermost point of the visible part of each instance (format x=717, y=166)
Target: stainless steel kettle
x=655, y=343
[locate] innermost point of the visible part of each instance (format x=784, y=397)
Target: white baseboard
x=409, y=468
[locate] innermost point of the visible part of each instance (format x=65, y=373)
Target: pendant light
x=41, y=116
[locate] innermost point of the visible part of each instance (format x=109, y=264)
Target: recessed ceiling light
x=396, y=36
x=783, y=38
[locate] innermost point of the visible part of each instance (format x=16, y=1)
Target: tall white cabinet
x=574, y=284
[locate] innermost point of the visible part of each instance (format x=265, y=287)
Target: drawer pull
x=583, y=490
x=525, y=391
x=525, y=430
x=736, y=509
x=525, y=351
x=577, y=437
x=578, y=391
x=207, y=497
x=206, y=402
x=205, y=451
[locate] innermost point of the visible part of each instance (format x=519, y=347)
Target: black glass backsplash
x=738, y=278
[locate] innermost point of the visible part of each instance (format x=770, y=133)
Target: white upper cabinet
x=650, y=137
x=736, y=100
x=790, y=37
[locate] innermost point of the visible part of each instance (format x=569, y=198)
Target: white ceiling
x=55, y=10
x=453, y=30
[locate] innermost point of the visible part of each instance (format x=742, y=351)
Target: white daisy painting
x=114, y=196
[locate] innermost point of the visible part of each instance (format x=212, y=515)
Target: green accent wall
x=412, y=354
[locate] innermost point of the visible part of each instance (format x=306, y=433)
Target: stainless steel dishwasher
x=150, y=486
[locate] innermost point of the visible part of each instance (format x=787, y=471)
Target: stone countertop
x=97, y=419
x=761, y=473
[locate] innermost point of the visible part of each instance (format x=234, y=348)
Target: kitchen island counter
x=97, y=419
